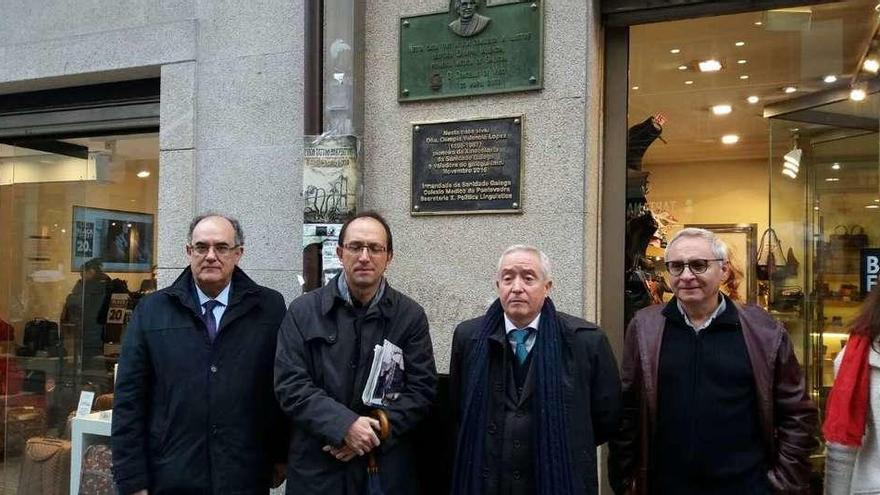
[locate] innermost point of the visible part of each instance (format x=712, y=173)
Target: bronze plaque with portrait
x=467, y=166
x=472, y=49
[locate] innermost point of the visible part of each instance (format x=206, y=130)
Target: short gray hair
x=719, y=248
x=543, y=259
x=236, y=226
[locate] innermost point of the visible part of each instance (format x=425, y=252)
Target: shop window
x=78, y=244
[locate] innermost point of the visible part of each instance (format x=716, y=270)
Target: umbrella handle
x=384, y=433
x=384, y=423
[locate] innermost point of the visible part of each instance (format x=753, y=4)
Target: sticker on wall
x=331, y=179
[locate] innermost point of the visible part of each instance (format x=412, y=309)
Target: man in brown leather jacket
x=714, y=398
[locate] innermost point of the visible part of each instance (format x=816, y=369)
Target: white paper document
x=386, y=375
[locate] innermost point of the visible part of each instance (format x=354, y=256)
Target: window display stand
x=85, y=432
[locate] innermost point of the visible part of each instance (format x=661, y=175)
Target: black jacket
x=592, y=386
x=324, y=356
x=191, y=417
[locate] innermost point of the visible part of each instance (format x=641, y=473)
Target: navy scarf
x=553, y=467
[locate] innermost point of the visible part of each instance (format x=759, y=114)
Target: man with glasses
x=325, y=355
x=194, y=409
x=714, y=397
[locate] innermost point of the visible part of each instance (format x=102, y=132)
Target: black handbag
x=771, y=258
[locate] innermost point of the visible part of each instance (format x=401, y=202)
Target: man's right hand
x=361, y=436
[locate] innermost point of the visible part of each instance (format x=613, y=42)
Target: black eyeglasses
x=356, y=248
x=696, y=266
x=219, y=249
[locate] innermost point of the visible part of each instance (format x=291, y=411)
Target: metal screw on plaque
x=533, y=79
x=406, y=24
x=405, y=92
x=417, y=128
x=516, y=121
x=515, y=205
x=416, y=207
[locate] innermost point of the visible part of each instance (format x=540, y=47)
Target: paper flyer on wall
x=386, y=375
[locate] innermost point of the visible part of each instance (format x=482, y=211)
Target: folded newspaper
x=386, y=375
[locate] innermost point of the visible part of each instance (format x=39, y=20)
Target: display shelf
x=86, y=431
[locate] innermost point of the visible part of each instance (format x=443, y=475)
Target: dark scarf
x=550, y=429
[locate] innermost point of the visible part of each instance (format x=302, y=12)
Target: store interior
x=762, y=127
x=78, y=242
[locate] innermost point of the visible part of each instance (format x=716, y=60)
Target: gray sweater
x=851, y=470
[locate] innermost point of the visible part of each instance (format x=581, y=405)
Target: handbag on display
x=771, y=261
x=22, y=423
x=45, y=469
x=96, y=477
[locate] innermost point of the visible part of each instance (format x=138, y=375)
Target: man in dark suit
x=194, y=409
x=534, y=391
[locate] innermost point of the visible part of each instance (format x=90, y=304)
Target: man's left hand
x=343, y=454
x=279, y=474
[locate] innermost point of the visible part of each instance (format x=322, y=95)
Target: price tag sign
x=85, y=404
x=118, y=310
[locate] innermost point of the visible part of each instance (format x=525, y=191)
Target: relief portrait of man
x=469, y=22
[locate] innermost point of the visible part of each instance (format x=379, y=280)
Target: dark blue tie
x=519, y=337
x=208, y=318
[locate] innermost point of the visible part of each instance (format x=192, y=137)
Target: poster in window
x=121, y=240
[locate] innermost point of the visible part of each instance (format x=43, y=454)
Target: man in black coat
x=533, y=391
x=194, y=411
x=325, y=352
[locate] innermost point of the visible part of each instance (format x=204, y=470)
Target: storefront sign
x=467, y=166
x=330, y=178
x=870, y=271
x=471, y=49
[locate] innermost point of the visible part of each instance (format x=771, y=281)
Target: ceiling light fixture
x=871, y=65
x=758, y=23
x=675, y=50
x=710, y=65
x=730, y=139
x=835, y=166
x=722, y=109
x=830, y=78
x=857, y=94
x=789, y=89
x=832, y=179
x=744, y=77
x=635, y=88
x=872, y=207
x=143, y=174
x=740, y=43
x=682, y=67
x=689, y=82
x=753, y=99
x=741, y=61
x=788, y=173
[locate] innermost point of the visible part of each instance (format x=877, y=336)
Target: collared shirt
x=530, y=341
x=720, y=309
x=345, y=294
x=222, y=298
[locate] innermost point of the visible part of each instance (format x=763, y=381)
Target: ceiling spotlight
x=758, y=23
x=740, y=43
x=682, y=67
x=789, y=89
x=753, y=99
x=832, y=179
x=877, y=200
x=835, y=166
x=872, y=207
x=635, y=88
x=710, y=66
x=721, y=109
x=143, y=174
x=688, y=82
x=730, y=139
x=830, y=78
x=789, y=173
x=741, y=61
x=744, y=76
x=675, y=50
x=871, y=65
x=792, y=159
x=857, y=94
x=816, y=208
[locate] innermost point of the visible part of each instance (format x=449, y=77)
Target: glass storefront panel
x=742, y=124
x=78, y=243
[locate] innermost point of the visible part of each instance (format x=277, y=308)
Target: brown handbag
x=45, y=469
x=22, y=422
x=96, y=477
